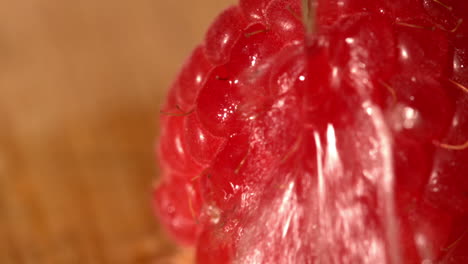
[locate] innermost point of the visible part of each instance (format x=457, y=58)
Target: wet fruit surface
x=346, y=145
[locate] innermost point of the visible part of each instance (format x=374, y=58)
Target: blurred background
x=81, y=83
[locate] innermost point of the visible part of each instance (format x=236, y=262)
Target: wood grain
x=80, y=87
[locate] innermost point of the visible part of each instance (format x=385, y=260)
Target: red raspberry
x=348, y=144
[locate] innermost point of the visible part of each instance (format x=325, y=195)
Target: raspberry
x=342, y=139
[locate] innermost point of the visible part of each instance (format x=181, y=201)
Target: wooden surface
x=80, y=86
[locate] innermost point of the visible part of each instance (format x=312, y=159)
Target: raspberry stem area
x=308, y=16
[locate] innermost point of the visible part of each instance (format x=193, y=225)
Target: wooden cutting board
x=80, y=87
